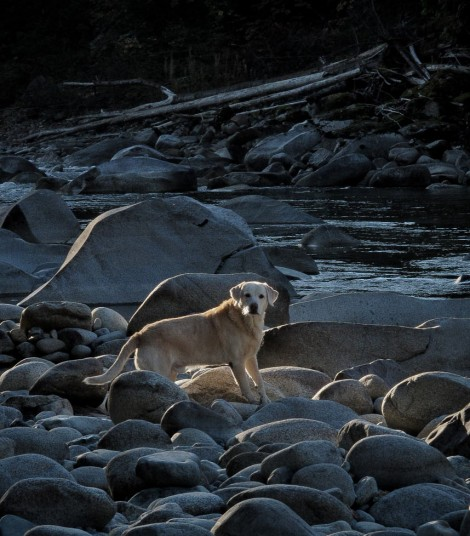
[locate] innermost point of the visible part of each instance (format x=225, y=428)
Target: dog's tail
x=129, y=347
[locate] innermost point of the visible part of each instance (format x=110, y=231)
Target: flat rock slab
x=385, y=308
x=333, y=346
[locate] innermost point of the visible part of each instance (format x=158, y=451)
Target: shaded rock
x=314, y=506
x=84, y=424
x=372, y=145
x=358, y=429
x=66, y=380
x=403, y=156
x=398, y=461
x=412, y=506
x=134, y=175
x=294, y=381
x=7, y=416
x=288, y=431
x=328, y=236
x=59, y=502
x=31, y=405
x=452, y=435
x=12, y=165
x=14, y=281
x=132, y=434
x=194, y=293
x=327, y=411
x=387, y=370
x=211, y=384
x=261, y=516
x=142, y=395
x=414, y=176
x=297, y=141
x=196, y=503
x=301, y=454
x=344, y=170
x=16, y=468
x=103, y=150
x=208, y=235
x=15, y=525
x=293, y=258
x=331, y=347
x=104, y=317
x=56, y=315
x=172, y=468
x=417, y=400
x=188, y=414
x=41, y=216
x=29, y=257
x=10, y=312
x=120, y=473
x=36, y=441
x=23, y=375
x=389, y=308
x=262, y=209
x=350, y=393
x=326, y=476
x=139, y=150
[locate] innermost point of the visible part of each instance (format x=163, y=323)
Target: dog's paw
x=264, y=400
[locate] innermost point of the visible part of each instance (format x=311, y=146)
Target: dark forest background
x=192, y=45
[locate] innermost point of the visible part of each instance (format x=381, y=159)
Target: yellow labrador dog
x=230, y=333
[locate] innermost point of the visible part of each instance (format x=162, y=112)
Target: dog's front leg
x=253, y=370
x=243, y=381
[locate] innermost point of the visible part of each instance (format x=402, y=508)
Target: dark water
x=412, y=241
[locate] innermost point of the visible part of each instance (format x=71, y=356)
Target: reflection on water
x=412, y=241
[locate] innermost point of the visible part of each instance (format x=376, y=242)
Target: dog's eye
x=247, y=295
x=261, y=296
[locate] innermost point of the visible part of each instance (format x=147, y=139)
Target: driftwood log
x=289, y=90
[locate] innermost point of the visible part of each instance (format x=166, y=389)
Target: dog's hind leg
x=251, y=365
x=148, y=358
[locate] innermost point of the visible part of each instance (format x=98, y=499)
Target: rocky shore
x=367, y=431
x=377, y=447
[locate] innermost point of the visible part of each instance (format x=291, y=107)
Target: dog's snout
x=253, y=308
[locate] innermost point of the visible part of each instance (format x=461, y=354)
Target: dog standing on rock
x=230, y=333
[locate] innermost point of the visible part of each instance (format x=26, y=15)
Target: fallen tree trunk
x=241, y=98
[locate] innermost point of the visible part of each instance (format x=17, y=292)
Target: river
x=416, y=242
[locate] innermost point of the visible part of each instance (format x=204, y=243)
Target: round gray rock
x=142, y=395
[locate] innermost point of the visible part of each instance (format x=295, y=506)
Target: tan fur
x=230, y=333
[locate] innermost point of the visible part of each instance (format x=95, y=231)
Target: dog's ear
x=272, y=294
x=236, y=292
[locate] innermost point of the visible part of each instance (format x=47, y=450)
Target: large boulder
x=397, y=461
x=104, y=150
x=414, y=402
x=333, y=346
x=194, y=293
x=13, y=165
x=294, y=143
x=138, y=174
x=386, y=308
x=262, y=209
x=346, y=170
x=125, y=252
x=41, y=216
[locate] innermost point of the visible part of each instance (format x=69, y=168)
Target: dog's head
x=253, y=297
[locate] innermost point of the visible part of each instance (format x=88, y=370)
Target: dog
x=230, y=333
